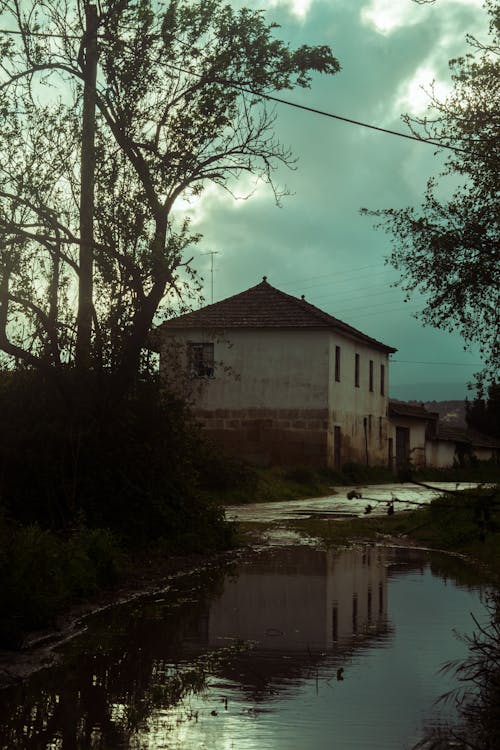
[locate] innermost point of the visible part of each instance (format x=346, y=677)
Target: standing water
x=294, y=648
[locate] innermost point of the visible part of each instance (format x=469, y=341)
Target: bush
x=42, y=573
x=73, y=457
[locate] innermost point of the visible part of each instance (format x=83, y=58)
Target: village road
x=339, y=505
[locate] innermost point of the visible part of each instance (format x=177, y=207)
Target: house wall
x=440, y=453
x=274, y=398
x=268, y=399
x=418, y=445
x=349, y=406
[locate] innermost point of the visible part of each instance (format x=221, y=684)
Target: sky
x=317, y=243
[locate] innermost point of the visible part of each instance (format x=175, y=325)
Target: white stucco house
x=411, y=427
x=275, y=379
x=451, y=446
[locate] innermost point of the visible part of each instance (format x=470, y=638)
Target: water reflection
x=296, y=648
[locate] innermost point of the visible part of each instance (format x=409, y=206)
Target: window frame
x=370, y=376
x=201, y=359
x=356, y=370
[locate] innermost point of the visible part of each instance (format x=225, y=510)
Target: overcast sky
x=318, y=244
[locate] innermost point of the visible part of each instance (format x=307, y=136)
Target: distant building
x=276, y=380
x=411, y=425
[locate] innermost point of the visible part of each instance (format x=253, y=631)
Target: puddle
x=294, y=648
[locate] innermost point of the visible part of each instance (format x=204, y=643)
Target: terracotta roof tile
x=264, y=306
x=404, y=409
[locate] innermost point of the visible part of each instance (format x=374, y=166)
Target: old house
x=452, y=446
x=275, y=379
x=411, y=426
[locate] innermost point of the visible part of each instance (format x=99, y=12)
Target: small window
x=382, y=380
x=201, y=360
x=356, y=370
x=371, y=375
x=337, y=364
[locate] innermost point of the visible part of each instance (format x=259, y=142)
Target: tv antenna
x=211, y=253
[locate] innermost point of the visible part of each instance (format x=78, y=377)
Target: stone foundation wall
x=270, y=436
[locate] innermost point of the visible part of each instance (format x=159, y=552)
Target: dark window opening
x=356, y=370
x=337, y=364
x=382, y=380
x=371, y=375
x=335, y=623
x=201, y=360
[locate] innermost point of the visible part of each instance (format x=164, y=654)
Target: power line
x=270, y=97
x=322, y=112
x=42, y=34
x=454, y=364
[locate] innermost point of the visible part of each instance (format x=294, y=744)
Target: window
x=337, y=364
x=371, y=374
x=354, y=613
x=382, y=380
x=356, y=370
x=201, y=360
x=335, y=622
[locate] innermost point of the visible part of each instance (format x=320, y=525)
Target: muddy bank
x=145, y=577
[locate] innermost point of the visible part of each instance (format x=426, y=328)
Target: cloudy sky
x=317, y=243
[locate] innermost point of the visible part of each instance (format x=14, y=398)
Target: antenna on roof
x=211, y=253
x=264, y=278
x=302, y=296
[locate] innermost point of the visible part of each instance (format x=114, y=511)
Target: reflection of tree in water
x=130, y=666
x=477, y=699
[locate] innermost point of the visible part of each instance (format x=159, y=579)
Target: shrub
x=42, y=573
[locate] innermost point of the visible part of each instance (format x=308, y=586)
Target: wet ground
x=338, y=504
x=286, y=649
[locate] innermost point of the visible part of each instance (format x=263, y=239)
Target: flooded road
x=288, y=649
x=405, y=497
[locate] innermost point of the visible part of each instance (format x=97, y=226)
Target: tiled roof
x=404, y=409
x=264, y=306
x=471, y=437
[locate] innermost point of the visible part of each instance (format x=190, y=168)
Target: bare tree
x=177, y=107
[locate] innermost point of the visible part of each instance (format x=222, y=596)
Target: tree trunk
x=85, y=279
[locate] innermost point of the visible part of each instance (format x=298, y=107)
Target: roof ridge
x=249, y=317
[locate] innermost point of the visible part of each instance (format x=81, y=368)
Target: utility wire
x=321, y=112
x=455, y=364
x=270, y=97
x=42, y=34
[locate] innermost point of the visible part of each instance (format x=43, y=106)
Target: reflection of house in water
x=303, y=599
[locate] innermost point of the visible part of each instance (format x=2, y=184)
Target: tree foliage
x=483, y=414
x=448, y=249
x=178, y=107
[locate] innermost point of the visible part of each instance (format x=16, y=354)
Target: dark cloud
x=319, y=232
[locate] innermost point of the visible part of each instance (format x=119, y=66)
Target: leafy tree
x=483, y=414
x=448, y=249
x=177, y=107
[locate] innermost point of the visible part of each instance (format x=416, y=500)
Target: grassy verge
x=468, y=523
x=234, y=482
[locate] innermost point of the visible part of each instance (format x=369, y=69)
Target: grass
x=468, y=523
x=238, y=483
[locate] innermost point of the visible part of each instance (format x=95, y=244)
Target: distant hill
x=451, y=413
